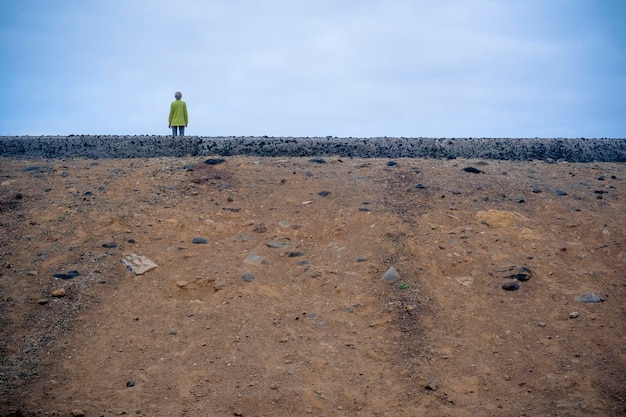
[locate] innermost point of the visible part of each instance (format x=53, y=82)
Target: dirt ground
x=280, y=308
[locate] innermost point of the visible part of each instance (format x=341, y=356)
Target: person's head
x=178, y=95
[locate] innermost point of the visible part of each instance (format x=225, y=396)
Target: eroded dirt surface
x=283, y=311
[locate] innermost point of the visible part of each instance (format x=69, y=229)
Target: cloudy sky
x=347, y=68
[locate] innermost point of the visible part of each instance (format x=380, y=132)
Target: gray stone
x=391, y=275
x=590, y=298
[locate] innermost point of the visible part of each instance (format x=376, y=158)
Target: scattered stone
x=173, y=332
x=361, y=259
x=67, y=275
x=130, y=383
x=392, y=163
x=31, y=168
x=233, y=209
x=590, y=298
x=284, y=224
x=541, y=324
x=199, y=241
x=324, y=193
x=247, y=277
x=43, y=301
x=520, y=200
x=466, y=281
x=88, y=194
x=510, y=286
x=253, y=259
x=317, y=161
x=109, y=245
x=260, y=228
x=536, y=190
x=522, y=274
x=421, y=186
x=294, y=254
x=431, y=385
x=59, y=293
x=214, y=161
x=391, y=275
x=574, y=314
x=77, y=413
x=277, y=245
x=138, y=264
x=560, y=192
x=473, y=170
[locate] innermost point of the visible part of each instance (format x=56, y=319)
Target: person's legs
x=181, y=130
x=174, y=131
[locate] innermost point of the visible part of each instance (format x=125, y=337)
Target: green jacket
x=178, y=113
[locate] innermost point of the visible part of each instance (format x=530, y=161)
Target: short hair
x=178, y=94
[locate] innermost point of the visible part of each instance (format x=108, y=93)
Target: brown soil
x=316, y=332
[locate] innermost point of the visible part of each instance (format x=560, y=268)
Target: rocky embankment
x=518, y=149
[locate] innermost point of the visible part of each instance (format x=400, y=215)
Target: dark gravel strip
x=517, y=149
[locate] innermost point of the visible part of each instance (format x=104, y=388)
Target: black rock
x=523, y=274
x=420, y=186
x=68, y=275
x=247, y=277
x=199, y=241
x=392, y=163
x=233, y=209
x=510, y=286
x=473, y=170
x=536, y=190
x=109, y=245
x=214, y=161
x=317, y=161
x=31, y=168
x=294, y=254
x=560, y=192
x=130, y=384
x=324, y=193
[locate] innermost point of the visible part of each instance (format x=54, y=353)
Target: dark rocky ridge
x=519, y=149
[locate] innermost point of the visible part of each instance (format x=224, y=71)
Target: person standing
x=178, y=119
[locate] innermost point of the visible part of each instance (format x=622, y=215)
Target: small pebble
x=247, y=277
x=431, y=385
x=67, y=275
x=510, y=286
x=199, y=241
x=590, y=298
x=473, y=170
x=574, y=314
x=391, y=275
x=59, y=293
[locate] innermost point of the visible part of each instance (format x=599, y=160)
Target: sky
x=343, y=68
